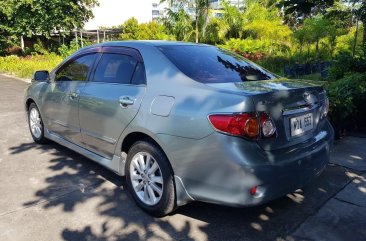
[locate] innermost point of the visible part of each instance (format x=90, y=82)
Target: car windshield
x=209, y=64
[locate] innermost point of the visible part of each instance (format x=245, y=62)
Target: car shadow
x=79, y=181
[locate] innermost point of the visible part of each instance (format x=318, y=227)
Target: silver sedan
x=184, y=122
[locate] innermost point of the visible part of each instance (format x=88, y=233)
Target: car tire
x=150, y=178
x=35, y=123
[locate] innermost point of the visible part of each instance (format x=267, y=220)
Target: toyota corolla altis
x=184, y=122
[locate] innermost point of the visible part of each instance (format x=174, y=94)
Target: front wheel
x=35, y=123
x=150, y=178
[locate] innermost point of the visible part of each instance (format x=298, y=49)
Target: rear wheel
x=35, y=123
x=150, y=178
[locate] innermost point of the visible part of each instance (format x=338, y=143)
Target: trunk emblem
x=309, y=98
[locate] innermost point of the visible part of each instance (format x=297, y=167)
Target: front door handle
x=125, y=101
x=74, y=94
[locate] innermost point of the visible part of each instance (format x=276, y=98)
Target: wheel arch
x=182, y=196
x=28, y=102
x=135, y=136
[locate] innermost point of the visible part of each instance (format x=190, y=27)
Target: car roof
x=139, y=43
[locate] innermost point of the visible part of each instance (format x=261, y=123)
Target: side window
x=115, y=68
x=139, y=75
x=77, y=70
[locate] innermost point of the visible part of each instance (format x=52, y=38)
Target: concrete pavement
x=51, y=193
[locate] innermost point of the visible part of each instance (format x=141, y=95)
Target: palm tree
x=200, y=9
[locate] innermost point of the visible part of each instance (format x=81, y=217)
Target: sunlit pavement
x=51, y=193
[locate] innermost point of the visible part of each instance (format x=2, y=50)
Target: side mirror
x=41, y=76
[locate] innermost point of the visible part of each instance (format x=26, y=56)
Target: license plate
x=301, y=124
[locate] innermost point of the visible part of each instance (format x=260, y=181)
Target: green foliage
x=345, y=64
x=130, y=29
x=200, y=9
x=5, y=26
x=39, y=48
x=179, y=24
x=11, y=64
x=41, y=17
x=297, y=10
x=347, y=101
x=233, y=19
x=65, y=50
x=248, y=45
x=215, y=32
x=152, y=30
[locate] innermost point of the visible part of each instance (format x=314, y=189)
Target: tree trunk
x=355, y=41
x=196, y=28
x=317, y=50
x=364, y=37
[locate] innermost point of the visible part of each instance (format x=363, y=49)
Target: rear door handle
x=125, y=101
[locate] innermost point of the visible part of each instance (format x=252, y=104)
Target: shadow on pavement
x=79, y=180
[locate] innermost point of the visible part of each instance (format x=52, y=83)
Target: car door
x=111, y=99
x=61, y=101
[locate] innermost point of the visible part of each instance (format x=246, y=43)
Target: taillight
x=250, y=125
x=268, y=127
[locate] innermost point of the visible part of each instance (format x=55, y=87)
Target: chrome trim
x=299, y=109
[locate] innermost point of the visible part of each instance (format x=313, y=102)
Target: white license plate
x=301, y=124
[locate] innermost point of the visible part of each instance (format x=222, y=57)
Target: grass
x=24, y=67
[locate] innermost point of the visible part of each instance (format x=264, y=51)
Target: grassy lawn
x=24, y=67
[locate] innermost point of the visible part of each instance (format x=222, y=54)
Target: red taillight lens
x=253, y=190
x=237, y=124
x=249, y=125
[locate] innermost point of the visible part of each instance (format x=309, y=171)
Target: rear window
x=209, y=64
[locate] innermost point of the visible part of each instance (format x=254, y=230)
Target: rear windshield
x=209, y=64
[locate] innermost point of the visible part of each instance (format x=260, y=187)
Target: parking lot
x=51, y=193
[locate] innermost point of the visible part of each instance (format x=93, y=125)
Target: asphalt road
x=51, y=193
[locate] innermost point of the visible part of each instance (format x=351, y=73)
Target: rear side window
x=77, y=70
x=115, y=68
x=208, y=64
x=139, y=77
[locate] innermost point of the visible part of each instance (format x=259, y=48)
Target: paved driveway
x=51, y=193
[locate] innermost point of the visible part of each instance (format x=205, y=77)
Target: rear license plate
x=301, y=124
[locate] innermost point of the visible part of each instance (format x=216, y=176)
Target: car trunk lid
x=293, y=105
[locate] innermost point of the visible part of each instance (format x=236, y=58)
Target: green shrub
x=345, y=64
x=65, y=50
x=24, y=67
x=347, y=98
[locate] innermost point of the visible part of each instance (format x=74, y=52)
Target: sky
x=115, y=12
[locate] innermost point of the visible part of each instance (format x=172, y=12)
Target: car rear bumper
x=222, y=169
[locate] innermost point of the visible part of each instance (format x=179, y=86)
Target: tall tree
x=130, y=29
x=360, y=12
x=297, y=11
x=179, y=24
x=5, y=23
x=233, y=18
x=44, y=16
x=198, y=7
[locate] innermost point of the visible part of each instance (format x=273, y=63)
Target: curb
x=15, y=77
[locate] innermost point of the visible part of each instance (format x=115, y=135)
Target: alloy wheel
x=146, y=178
x=35, y=123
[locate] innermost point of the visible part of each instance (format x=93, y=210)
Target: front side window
x=115, y=68
x=77, y=70
x=208, y=64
